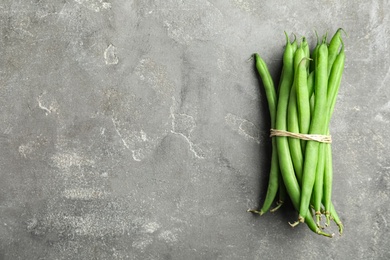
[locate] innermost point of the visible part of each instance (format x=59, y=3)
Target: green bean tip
x=342, y=30
x=319, y=232
x=296, y=223
x=255, y=211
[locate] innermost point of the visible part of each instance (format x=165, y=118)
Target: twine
x=308, y=137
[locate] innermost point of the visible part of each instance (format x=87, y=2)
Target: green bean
x=314, y=54
x=336, y=218
x=310, y=87
x=273, y=182
x=282, y=194
x=306, y=50
x=312, y=225
x=272, y=103
x=310, y=83
x=333, y=87
x=316, y=127
x=319, y=181
x=285, y=162
x=292, y=119
x=333, y=48
x=294, y=44
x=335, y=78
x=303, y=99
x=327, y=182
x=268, y=87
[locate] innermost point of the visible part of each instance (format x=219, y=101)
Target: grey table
x=138, y=129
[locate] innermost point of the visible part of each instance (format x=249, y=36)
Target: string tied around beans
x=307, y=137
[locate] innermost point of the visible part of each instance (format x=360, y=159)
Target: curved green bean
x=269, y=88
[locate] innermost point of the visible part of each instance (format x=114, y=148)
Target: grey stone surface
x=138, y=130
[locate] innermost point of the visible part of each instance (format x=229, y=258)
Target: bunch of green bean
x=303, y=103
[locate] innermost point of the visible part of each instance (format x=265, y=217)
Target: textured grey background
x=138, y=129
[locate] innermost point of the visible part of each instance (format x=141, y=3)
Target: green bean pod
x=314, y=54
x=327, y=182
x=303, y=98
x=282, y=195
x=335, y=79
x=317, y=127
x=294, y=44
x=285, y=162
x=333, y=48
x=293, y=119
x=336, y=218
x=333, y=88
x=310, y=83
x=310, y=87
x=273, y=183
x=306, y=49
x=319, y=181
x=269, y=87
x=272, y=103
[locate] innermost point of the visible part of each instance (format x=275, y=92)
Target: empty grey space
x=139, y=129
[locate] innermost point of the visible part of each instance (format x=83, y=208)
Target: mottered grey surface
x=139, y=129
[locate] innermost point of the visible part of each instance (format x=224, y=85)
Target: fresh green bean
x=335, y=78
x=294, y=44
x=316, y=127
x=303, y=98
x=327, y=181
x=314, y=54
x=292, y=119
x=333, y=88
x=272, y=103
x=268, y=87
x=336, y=218
x=285, y=162
x=333, y=48
x=319, y=181
x=310, y=83
x=306, y=50
x=282, y=195
x=310, y=87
